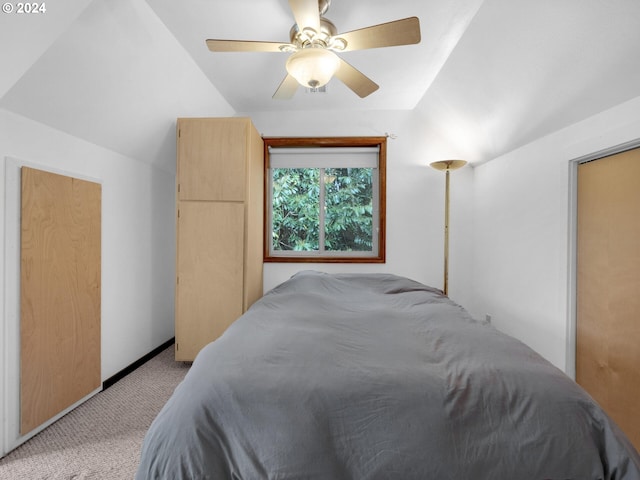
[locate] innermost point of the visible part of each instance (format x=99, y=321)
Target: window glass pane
x=296, y=209
x=348, y=209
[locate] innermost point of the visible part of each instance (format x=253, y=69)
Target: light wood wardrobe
x=219, y=227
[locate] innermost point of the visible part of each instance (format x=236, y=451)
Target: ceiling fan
x=314, y=43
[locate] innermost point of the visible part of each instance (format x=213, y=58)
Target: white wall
x=522, y=265
x=138, y=246
x=415, y=197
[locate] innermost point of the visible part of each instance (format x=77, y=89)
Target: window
x=325, y=199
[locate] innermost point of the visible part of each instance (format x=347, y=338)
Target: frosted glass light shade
x=313, y=67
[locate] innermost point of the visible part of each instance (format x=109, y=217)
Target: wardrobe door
x=59, y=294
x=608, y=286
x=212, y=158
x=210, y=273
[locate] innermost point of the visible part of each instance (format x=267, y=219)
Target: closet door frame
x=572, y=315
x=10, y=436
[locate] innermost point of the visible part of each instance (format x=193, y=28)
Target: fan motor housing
x=307, y=36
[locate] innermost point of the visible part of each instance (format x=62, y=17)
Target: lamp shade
x=313, y=67
x=444, y=165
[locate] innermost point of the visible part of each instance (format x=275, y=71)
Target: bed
x=377, y=377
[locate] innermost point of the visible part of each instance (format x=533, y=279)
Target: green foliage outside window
x=348, y=209
x=295, y=213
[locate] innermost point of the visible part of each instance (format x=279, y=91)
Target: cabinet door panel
x=210, y=273
x=59, y=294
x=211, y=158
x=608, y=282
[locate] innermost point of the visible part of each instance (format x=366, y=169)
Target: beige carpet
x=100, y=439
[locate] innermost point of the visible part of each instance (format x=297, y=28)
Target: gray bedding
x=377, y=377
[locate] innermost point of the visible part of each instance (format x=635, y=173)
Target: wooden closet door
x=59, y=294
x=608, y=286
x=212, y=155
x=210, y=273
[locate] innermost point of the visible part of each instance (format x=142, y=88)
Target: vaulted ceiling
x=505, y=72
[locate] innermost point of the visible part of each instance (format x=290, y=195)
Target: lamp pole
x=447, y=166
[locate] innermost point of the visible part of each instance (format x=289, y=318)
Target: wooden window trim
x=301, y=142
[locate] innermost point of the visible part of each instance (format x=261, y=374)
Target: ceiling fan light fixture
x=314, y=42
x=313, y=67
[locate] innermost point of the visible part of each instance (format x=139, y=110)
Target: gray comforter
x=377, y=377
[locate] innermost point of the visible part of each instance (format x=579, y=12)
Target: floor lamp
x=447, y=166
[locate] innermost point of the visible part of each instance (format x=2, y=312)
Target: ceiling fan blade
x=391, y=34
x=355, y=80
x=287, y=88
x=244, y=46
x=306, y=13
